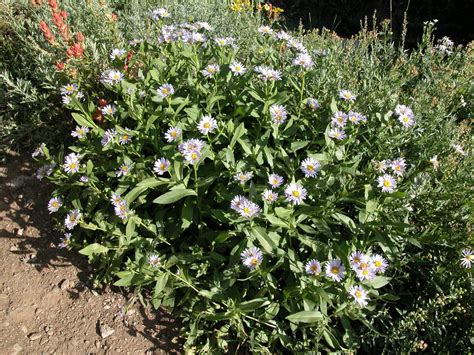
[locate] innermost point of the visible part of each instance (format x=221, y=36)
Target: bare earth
x=46, y=302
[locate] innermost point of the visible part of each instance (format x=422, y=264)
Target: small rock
x=94, y=292
x=106, y=307
x=24, y=329
x=105, y=330
x=44, y=341
x=20, y=232
x=97, y=344
x=16, y=349
x=64, y=284
x=34, y=336
x=131, y=312
x=14, y=248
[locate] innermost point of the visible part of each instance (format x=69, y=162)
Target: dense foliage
x=277, y=191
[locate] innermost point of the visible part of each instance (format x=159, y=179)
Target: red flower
x=53, y=5
x=64, y=14
x=103, y=102
x=60, y=66
x=80, y=37
x=47, y=34
x=75, y=51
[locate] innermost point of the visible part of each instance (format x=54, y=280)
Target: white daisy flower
x=237, y=68
x=161, y=166
x=347, y=95
x=54, y=204
x=278, y=114
x=207, y=124
x=123, y=170
x=335, y=270
x=379, y=263
x=243, y=177
x=310, y=167
x=154, y=260
x=337, y=133
x=269, y=196
x=72, y=219
x=71, y=163
x=398, y=166
x=275, y=180
x=387, y=183
x=252, y=257
x=172, y=134
x=210, y=70
x=117, y=53
x=467, y=258
x=165, y=90
x=266, y=30
x=313, y=267
x=80, y=132
x=295, y=193
x=360, y=295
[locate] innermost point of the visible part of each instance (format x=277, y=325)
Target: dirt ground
x=46, y=302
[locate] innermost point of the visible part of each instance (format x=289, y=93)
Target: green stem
x=301, y=95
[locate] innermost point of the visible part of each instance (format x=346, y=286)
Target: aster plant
x=241, y=199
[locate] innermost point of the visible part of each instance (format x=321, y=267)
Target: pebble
x=34, y=336
x=94, y=292
x=64, y=284
x=97, y=344
x=16, y=349
x=105, y=330
x=44, y=341
x=14, y=248
x=20, y=232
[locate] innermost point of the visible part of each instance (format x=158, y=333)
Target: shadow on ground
x=27, y=226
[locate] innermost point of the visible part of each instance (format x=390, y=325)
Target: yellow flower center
x=314, y=268
x=356, y=260
x=194, y=156
x=173, y=134
x=125, y=137
x=296, y=193
x=377, y=263
x=470, y=257
x=72, y=166
x=165, y=91
x=275, y=182
x=55, y=204
x=335, y=270
x=387, y=183
x=310, y=167
x=162, y=166
x=358, y=294
x=246, y=209
x=207, y=125
x=347, y=95
x=406, y=119
x=254, y=261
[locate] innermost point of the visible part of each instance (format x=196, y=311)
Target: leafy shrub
x=169, y=182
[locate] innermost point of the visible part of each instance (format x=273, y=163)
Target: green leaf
x=379, y=281
x=93, y=249
x=333, y=105
x=305, y=317
x=126, y=280
x=252, y=305
x=83, y=121
x=276, y=221
x=265, y=241
x=173, y=196
x=161, y=282
x=143, y=186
